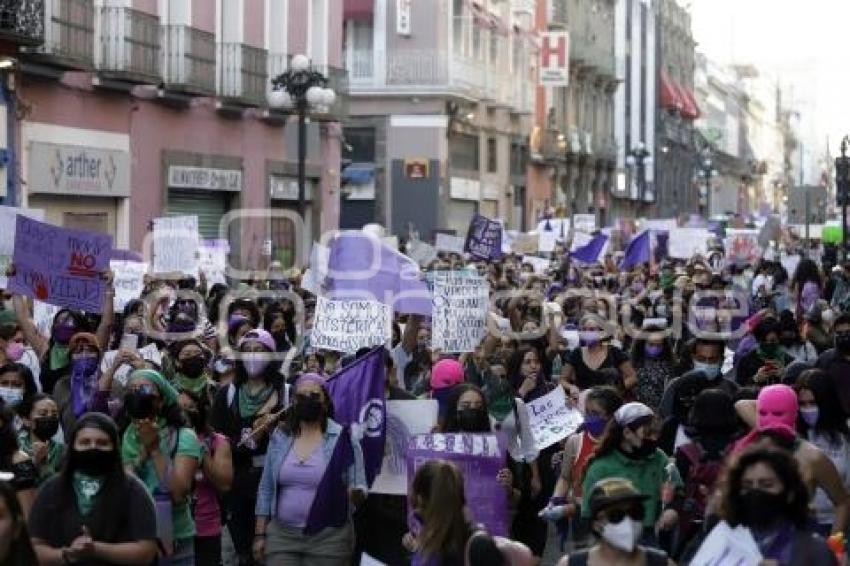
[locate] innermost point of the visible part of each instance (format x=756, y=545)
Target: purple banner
x=60, y=266
x=484, y=238
x=479, y=457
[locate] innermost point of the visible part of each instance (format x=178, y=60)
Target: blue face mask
x=595, y=425
x=711, y=371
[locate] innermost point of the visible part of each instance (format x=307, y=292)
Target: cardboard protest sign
x=128, y=281
x=150, y=353
x=212, y=260
x=526, y=243
x=551, y=420
x=60, y=266
x=449, y=243
x=405, y=419
x=742, y=246
x=7, y=235
x=685, y=243
x=347, y=326
x=479, y=458
x=175, y=245
x=484, y=238
x=460, y=304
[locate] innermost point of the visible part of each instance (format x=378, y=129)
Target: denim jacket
x=331, y=494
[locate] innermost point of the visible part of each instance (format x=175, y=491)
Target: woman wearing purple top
x=313, y=473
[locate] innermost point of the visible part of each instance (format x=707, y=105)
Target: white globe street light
x=315, y=95
x=279, y=98
x=299, y=62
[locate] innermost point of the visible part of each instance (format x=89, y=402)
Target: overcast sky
x=805, y=42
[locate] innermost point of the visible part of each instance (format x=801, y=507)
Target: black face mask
x=93, y=462
x=762, y=509
x=308, y=409
x=193, y=367
x=140, y=405
x=44, y=428
x=646, y=449
x=473, y=420
x=842, y=342
x=281, y=341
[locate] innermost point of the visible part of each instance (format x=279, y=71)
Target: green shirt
x=647, y=475
x=187, y=445
x=54, y=455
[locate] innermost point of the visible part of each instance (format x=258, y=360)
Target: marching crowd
x=195, y=426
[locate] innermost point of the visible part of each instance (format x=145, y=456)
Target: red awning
x=691, y=109
x=671, y=98
x=358, y=10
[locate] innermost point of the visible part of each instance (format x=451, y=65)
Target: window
x=463, y=151
x=362, y=143
x=492, y=157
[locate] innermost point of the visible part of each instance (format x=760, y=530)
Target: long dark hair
x=807, y=272
x=784, y=466
x=450, y=422
x=515, y=364
x=30, y=388
x=21, y=551
x=638, y=354
x=445, y=530
x=290, y=422
x=8, y=438
x=832, y=421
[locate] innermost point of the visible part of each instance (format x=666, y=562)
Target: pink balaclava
x=777, y=405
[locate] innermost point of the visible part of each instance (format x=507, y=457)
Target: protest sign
x=725, y=545
x=540, y=265
x=508, y=238
x=175, y=245
x=559, y=227
x=584, y=223
x=449, y=243
x=60, y=266
x=128, y=281
x=480, y=459
x=526, y=243
x=685, y=243
x=7, y=235
x=460, y=304
x=660, y=224
x=742, y=246
x=347, y=326
x=484, y=238
x=42, y=316
x=551, y=420
x=212, y=260
x=420, y=252
x=546, y=241
x=149, y=353
x=405, y=419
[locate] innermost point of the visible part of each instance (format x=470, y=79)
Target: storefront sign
x=78, y=170
x=206, y=178
x=286, y=188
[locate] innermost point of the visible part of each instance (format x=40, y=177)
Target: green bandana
x=250, y=404
x=169, y=394
x=770, y=352
x=500, y=398
x=86, y=489
x=196, y=386
x=667, y=281
x=60, y=356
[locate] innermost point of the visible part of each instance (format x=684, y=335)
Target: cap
x=632, y=412
x=612, y=491
x=258, y=335
x=446, y=373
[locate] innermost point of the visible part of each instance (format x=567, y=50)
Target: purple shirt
x=297, y=483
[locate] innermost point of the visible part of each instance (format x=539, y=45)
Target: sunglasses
x=616, y=515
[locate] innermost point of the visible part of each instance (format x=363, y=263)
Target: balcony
x=22, y=21
x=68, y=35
x=130, y=45
x=189, y=60
x=243, y=74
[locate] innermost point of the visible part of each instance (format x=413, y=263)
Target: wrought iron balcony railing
x=188, y=59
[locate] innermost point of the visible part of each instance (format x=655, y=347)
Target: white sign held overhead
x=551, y=420
x=555, y=59
x=449, y=243
x=685, y=243
x=128, y=281
x=461, y=302
x=176, y=243
x=346, y=326
x=584, y=223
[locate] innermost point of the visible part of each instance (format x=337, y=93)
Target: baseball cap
x=611, y=491
x=630, y=413
x=258, y=335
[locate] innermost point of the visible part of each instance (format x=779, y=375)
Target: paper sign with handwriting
x=460, y=305
x=347, y=326
x=449, y=243
x=175, y=245
x=551, y=420
x=128, y=281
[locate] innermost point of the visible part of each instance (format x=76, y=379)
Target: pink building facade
x=133, y=110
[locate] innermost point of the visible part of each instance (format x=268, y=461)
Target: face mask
x=281, y=340
x=623, y=535
x=308, y=409
x=255, y=363
x=653, y=350
x=595, y=425
x=646, y=449
x=15, y=351
x=93, y=462
x=64, y=332
x=11, y=396
x=473, y=420
x=85, y=364
x=711, y=371
x=762, y=509
x=770, y=351
x=589, y=338
x=44, y=428
x=139, y=405
x=423, y=344
x=810, y=416
x=842, y=342
x=192, y=367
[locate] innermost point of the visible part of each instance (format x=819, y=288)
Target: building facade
x=135, y=109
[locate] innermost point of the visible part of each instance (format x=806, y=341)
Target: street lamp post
x=301, y=88
x=842, y=192
x=637, y=158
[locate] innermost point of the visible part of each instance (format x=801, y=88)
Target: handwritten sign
x=347, y=326
x=60, y=266
x=460, y=305
x=480, y=459
x=551, y=420
x=484, y=238
x=742, y=246
x=405, y=419
x=175, y=245
x=128, y=281
x=526, y=243
x=584, y=223
x=7, y=235
x=212, y=260
x=685, y=243
x=449, y=243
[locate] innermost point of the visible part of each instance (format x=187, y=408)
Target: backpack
x=702, y=475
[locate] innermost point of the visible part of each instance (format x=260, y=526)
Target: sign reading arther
x=78, y=170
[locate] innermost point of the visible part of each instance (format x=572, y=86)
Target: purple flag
x=637, y=252
x=589, y=253
x=484, y=238
x=479, y=458
x=360, y=266
x=357, y=392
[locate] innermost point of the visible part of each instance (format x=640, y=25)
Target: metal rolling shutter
x=207, y=206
